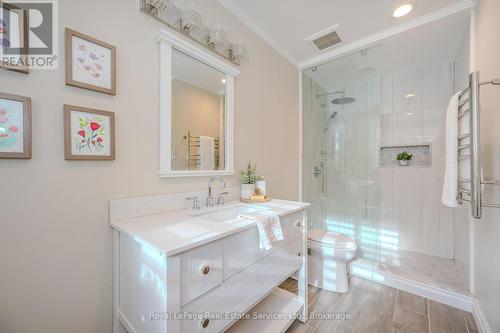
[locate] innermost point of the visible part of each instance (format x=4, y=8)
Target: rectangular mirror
x=198, y=114
x=196, y=109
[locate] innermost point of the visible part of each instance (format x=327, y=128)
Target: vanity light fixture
x=189, y=22
x=402, y=10
x=410, y=95
x=223, y=81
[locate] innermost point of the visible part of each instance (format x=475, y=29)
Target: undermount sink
x=227, y=214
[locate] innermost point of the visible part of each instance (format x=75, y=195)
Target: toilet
x=329, y=253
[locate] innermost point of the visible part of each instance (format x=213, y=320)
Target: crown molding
x=236, y=11
x=372, y=39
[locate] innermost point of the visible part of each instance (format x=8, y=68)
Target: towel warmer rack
x=193, y=155
x=469, y=104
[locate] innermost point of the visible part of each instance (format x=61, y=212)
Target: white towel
x=450, y=185
x=207, y=153
x=269, y=226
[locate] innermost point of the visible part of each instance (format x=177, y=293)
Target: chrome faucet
x=210, y=198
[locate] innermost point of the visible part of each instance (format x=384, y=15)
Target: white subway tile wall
x=414, y=111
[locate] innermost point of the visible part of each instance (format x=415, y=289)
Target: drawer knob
x=205, y=270
x=205, y=322
x=298, y=224
x=299, y=254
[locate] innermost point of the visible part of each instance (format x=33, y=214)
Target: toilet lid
x=330, y=238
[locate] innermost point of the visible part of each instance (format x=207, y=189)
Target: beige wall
x=195, y=110
x=487, y=230
x=55, y=240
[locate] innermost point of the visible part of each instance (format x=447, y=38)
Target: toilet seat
x=331, y=239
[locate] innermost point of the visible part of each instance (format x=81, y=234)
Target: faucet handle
x=196, y=202
x=220, y=198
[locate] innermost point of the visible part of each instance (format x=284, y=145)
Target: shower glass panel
x=341, y=135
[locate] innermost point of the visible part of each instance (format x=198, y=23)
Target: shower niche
x=422, y=155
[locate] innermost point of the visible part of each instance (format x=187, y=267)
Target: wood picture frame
x=91, y=65
x=23, y=38
x=95, y=130
x=15, y=125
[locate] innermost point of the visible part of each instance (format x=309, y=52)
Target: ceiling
x=285, y=24
x=426, y=45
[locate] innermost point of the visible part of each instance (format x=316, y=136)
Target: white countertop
x=179, y=231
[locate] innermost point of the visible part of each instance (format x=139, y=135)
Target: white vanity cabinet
x=207, y=285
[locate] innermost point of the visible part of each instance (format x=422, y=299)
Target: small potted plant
x=248, y=178
x=404, y=158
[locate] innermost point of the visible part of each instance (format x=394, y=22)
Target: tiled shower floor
x=431, y=270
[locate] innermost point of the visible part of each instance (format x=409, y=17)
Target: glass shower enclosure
x=341, y=136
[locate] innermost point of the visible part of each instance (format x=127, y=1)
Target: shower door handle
x=319, y=171
x=316, y=172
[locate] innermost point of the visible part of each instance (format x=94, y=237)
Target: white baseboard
x=480, y=318
x=441, y=295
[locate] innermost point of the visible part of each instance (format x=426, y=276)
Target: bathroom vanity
x=202, y=270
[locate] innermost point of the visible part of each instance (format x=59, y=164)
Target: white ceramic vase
x=260, y=187
x=247, y=190
x=403, y=162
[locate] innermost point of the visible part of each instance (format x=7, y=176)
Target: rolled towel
x=269, y=226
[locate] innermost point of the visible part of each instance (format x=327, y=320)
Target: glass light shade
x=217, y=38
x=154, y=7
x=190, y=21
x=238, y=51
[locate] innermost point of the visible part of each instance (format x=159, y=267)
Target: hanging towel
x=207, y=153
x=269, y=226
x=450, y=185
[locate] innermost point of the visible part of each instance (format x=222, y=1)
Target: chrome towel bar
x=474, y=195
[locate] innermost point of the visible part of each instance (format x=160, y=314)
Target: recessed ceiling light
x=402, y=10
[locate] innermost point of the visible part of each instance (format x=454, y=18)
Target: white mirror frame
x=169, y=40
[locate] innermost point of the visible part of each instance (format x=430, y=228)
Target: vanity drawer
x=201, y=270
x=242, y=291
x=242, y=249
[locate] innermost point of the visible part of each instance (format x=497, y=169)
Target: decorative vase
x=404, y=162
x=247, y=190
x=260, y=187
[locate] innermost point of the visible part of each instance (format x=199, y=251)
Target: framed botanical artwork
x=89, y=134
x=90, y=63
x=13, y=38
x=15, y=126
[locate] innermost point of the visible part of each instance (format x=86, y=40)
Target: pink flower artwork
x=10, y=128
x=93, y=64
x=89, y=136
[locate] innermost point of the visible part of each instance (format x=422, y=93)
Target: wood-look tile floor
x=374, y=308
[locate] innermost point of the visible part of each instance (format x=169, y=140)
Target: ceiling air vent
x=325, y=39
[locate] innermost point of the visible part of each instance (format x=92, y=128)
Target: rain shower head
x=343, y=100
